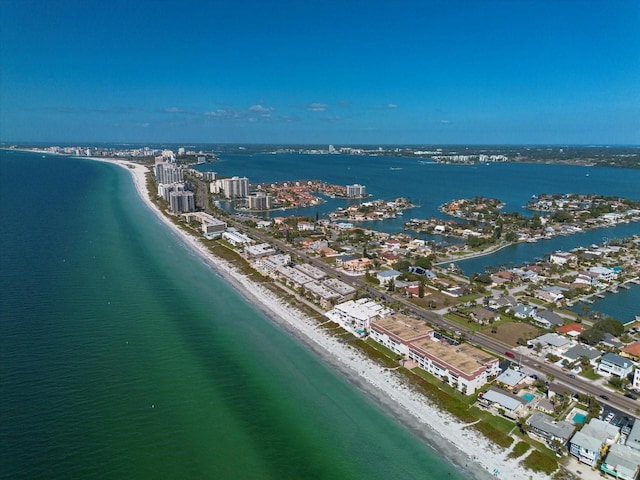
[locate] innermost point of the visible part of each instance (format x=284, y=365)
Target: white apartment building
x=356, y=316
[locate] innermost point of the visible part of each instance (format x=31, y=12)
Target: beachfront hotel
x=462, y=366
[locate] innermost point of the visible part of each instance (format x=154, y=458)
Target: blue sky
x=305, y=71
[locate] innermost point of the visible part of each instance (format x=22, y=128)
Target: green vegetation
x=596, y=333
x=519, y=449
x=539, y=462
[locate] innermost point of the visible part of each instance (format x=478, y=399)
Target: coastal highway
x=577, y=384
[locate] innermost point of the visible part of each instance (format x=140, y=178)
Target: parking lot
x=615, y=417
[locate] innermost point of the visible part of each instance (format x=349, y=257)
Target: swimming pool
x=579, y=418
x=528, y=397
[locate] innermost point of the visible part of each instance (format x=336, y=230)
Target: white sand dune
x=455, y=440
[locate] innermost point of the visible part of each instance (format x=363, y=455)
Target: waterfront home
x=587, y=444
x=423, y=272
x=604, y=274
x=572, y=329
x=550, y=294
x=547, y=429
x=562, y=258
x=612, y=364
x=610, y=341
x=632, y=351
x=511, y=405
x=622, y=462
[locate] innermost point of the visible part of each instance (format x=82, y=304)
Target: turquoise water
x=528, y=397
x=579, y=418
x=124, y=356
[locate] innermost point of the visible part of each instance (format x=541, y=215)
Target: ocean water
x=124, y=356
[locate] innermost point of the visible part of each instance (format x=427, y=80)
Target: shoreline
x=466, y=450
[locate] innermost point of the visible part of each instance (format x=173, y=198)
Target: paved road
x=490, y=344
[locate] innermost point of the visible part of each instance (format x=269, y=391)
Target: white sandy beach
x=455, y=440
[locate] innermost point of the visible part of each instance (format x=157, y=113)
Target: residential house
x=587, y=444
x=423, y=272
x=511, y=378
x=610, y=341
x=545, y=406
x=632, y=350
x=580, y=351
x=562, y=258
x=546, y=428
x=604, y=274
x=557, y=392
x=622, y=462
x=357, y=265
x=550, y=296
x=572, y=329
x=523, y=311
x=387, y=276
x=552, y=343
x=484, y=315
x=547, y=318
x=508, y=301
x=496, y=398
x=613, y=364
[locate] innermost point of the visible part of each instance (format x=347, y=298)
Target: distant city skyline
x=321, y=72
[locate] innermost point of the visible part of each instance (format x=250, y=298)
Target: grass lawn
x=510, y=332
x=539, y=462
x=590, y=374
x=519, y=449
x=438, y=299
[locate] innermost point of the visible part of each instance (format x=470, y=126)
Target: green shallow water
x=124, y=356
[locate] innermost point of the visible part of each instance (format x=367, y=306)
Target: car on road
x=509, y=354
x=604, y=397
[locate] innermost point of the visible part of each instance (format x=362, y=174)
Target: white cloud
x=173, y=110
x=260, y=108
x=142, y=125
x=317, y=107
x=444, y=121
x=392, y=106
